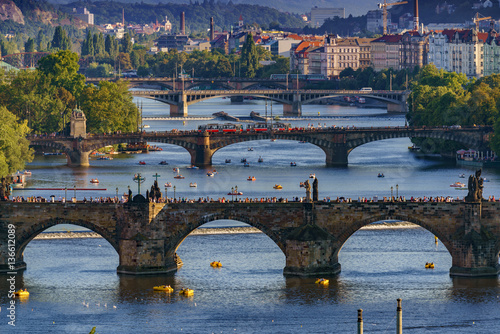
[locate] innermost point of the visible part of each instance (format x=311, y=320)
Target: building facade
x=319, y=15
x=386, y=52
x=460, y=51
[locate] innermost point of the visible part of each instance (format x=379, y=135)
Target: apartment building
x=414, y=50
x=460, y=51
x=386, y=52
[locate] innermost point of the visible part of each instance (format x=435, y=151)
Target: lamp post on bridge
x=117, y=194
x=232, y=194
x=397, y=193
x=392, y=197
x=166, y=194
x=74, y=188
x=174, y=193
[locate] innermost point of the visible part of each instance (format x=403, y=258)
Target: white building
x=84, y=15
x=319, y=15
x=459, y=51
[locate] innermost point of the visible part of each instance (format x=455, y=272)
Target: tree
x=109, y=107
x=29, y=46
x=249, y=58
x=88, y=45
x=60, y=41
x=62, y=70
x=126, y=43
x=14, y=147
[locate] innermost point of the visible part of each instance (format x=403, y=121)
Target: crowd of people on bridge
x=241, y=199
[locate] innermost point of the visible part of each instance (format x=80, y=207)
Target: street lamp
x=166, y=196
x=117, y=193
x=392, y=197
x=236, y=192
x=397, y=193
x=74, y=188
x=174, y=193
x=232, y=194
x=287, y=80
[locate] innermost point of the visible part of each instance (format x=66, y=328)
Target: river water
x=74, y=286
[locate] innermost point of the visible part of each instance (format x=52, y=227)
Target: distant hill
x=356, y=8
x=197, y=14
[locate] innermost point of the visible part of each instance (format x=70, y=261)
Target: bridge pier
x=310, y=251
x=336, y=156
x=393, y=108
x=202, y=155
x=475, y=255
x=181, y=108
x=295, y=108
x=77, y=158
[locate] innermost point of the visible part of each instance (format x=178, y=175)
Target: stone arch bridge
x=311, y=235
x=337, y=143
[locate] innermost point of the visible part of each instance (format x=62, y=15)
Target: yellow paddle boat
x=322, y=281
x=278, y=186
x=216, y=264
x=22, y=293
x=429, y=265
x=166, y=288
x=186, y=292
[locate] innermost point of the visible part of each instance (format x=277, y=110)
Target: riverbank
x=211, y=231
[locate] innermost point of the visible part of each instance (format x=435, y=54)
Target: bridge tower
x=78, y=124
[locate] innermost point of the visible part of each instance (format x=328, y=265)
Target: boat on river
x=293, y=164
x=228, y=161
x=95, y=181
x=235, y=193
x=193, y=167
x=22, y=293
x=429, y=265
x=322, y=281
x=260, y=159
x=216, y=264
x=251, y=178
x=179, y=176
x=380, y=175
x=278, y=186
x=193, y=185
x=142, y=162
x=163, y=162
x=457, y=185
x=166, y=288
x=168, y=184
x=246, y=164
x=186, y=292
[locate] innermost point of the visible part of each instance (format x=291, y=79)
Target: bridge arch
x=231, y=216
x=356, y=226
x=375, y=97
x=27, y=235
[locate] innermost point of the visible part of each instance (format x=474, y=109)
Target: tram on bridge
x=238, y=128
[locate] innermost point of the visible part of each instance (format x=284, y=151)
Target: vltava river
x=74, y=286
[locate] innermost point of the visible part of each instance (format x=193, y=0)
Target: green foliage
x=109, y=107
x=249, y=58
x=61, y=68
x=99, y=71
x=14, y=147
x=61, y=40
x=45, y=97
x=30, y=45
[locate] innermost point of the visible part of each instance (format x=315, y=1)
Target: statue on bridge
x=4, y=189
x=307, y=185
x=315, y=190
x=475, y=187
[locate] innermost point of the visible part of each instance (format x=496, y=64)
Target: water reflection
x=474, y=290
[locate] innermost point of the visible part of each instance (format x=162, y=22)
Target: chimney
x=415, y=17
x=212, y=32
x=183, y=24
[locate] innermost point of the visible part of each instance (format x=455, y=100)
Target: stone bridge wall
x=311, y=235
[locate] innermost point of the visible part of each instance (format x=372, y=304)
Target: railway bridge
x=292, y=100
x=310, y=234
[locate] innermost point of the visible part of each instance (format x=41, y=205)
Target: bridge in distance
x=180, y=94
x=337, y=143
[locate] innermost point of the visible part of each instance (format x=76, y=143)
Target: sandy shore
x=208, y=231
